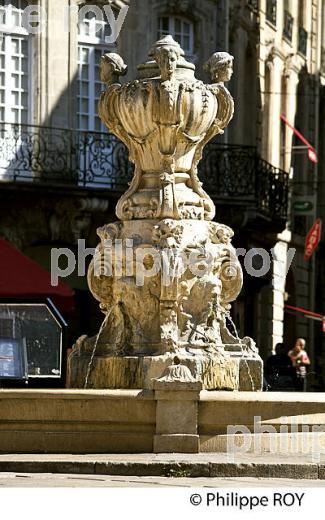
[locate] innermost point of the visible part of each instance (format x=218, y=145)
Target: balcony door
x=96, y=146
x=15, y=92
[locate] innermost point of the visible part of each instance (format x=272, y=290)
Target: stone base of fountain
x=220, y=371
x=137, y=421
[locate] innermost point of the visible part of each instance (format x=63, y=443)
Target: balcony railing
x=61, y=156
x=56, y=156
x=237, y=174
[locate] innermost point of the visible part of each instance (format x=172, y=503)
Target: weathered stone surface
x=176, y=443
x=250, y=373
x=165, y=274
x=165, y=465
x=125, y=421
x=260, y=470
x=216, y=372
x=177, y=394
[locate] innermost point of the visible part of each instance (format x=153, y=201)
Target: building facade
x=61, y=173
x=280, y=45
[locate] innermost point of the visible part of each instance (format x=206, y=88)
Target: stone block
x=176, y=443
x=250, y=374
x=176, y=417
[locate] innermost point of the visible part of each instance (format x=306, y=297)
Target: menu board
x=40, y=327
x=13, y=363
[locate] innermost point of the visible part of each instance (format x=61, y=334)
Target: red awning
x=21, y=277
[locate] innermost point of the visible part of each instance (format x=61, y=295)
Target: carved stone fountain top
x=165, y=118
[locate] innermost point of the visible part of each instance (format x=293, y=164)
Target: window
x=287, y=25
x=180, y=29
x=90, y=88
x=253, y=4
x=302, y=33
x=271, y=11
x=14, y=63
x=95, y=150
x=92, y=46
x=302, y=40
x=284, y=150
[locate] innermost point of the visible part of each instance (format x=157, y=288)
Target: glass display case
x=39, y=329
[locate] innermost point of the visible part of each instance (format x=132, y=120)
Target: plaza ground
x=49, y=480
x=174, y=469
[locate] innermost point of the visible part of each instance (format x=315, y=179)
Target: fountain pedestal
x=165, y=274
x=224, y=372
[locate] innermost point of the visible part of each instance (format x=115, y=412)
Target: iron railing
x=63, y=156
x=56, y=156
x=237, y=174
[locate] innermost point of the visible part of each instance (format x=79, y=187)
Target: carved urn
x=165, y=273
x=165, y=118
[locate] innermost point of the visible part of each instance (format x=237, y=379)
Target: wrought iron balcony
x=62, y=156
x=237, y=175
x=51, y=156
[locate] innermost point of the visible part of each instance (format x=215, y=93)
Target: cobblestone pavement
x=40, y=480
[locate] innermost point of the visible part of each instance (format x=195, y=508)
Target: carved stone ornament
x=165, y=119
x=180, y=6
x=189, y=272
x=177, y=372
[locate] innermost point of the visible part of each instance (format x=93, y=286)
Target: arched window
x=14, y=63
x=91, y=46
x=181, y=29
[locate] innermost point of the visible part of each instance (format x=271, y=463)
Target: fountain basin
x=124, y=421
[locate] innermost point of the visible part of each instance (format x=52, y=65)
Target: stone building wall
x=287, y=81
x=55, y=67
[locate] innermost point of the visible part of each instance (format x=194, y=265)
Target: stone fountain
x=165, y=273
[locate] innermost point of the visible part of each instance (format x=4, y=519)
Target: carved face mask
x=229, y=72
x=167, y=62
